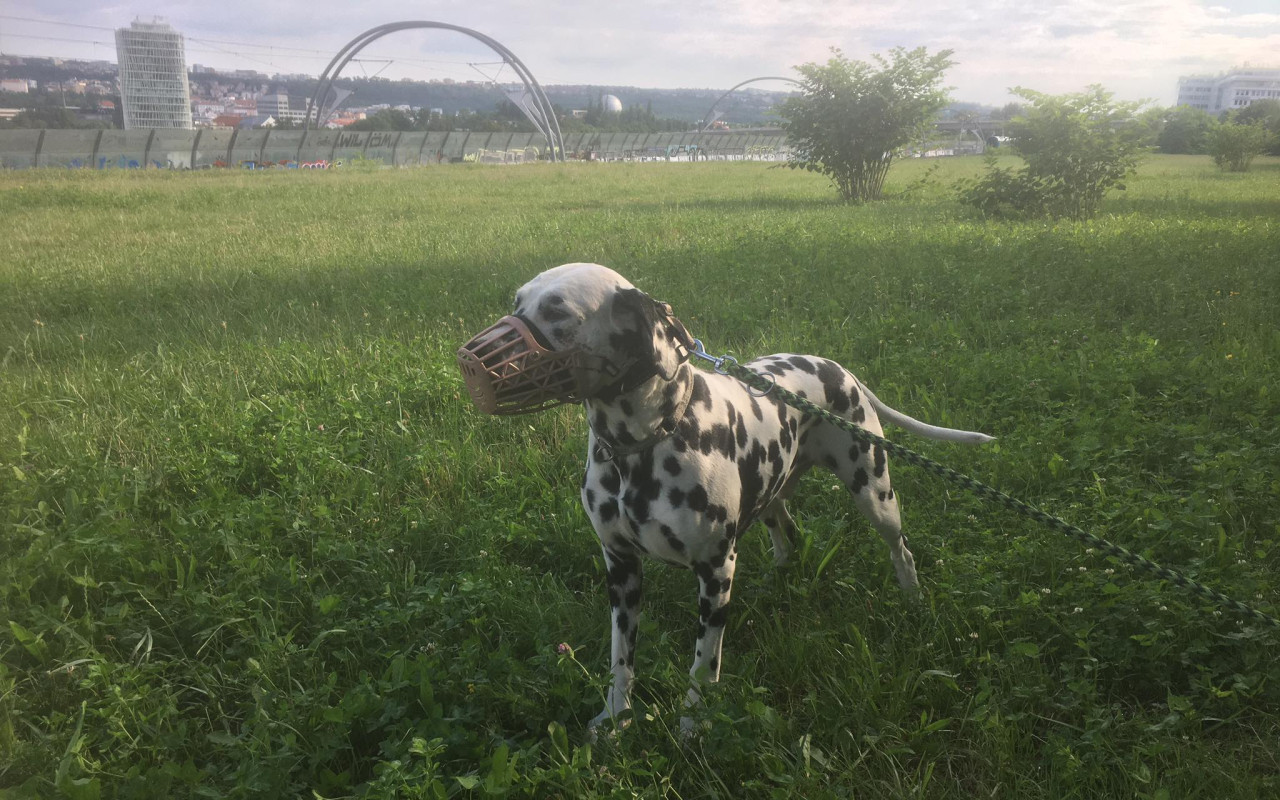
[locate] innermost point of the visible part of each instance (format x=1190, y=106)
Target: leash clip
x=723, y=364
x=717, y=362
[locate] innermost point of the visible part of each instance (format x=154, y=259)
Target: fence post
x=231, y=144
x=35, y=160
x=195, y=145
x=97, y=140
x=395, y=146
x=146, y=149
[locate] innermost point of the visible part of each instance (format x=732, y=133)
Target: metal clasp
x=718, y=363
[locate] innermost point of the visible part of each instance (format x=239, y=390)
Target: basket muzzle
x=509, y=371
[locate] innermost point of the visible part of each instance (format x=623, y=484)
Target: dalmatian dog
x=682, y=461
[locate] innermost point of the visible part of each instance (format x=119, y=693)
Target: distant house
x=227, y=121
x=259, y=121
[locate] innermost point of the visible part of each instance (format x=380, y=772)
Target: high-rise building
x=153, y=76
x=1234, y=89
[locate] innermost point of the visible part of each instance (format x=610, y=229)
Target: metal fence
x=254, y=149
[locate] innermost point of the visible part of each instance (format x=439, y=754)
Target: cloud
x=1137, y=48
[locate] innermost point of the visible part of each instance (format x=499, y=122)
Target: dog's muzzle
x=509, y=371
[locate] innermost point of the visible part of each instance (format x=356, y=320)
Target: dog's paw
x=690, y=728
x=602, y=723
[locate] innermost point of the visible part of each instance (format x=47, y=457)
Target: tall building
x=1233, y=89
x=153, y=76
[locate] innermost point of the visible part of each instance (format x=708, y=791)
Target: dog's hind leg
x=868, y=481
x=782, y=530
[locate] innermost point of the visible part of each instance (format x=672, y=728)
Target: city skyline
x=1135, y=48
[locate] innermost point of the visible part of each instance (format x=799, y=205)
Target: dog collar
x=608, y=448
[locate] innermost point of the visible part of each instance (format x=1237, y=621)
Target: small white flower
x=1046, y=590
x=1109, y=571
x=1077, y=610
x=973, y=635
x=390, y=550
x=1164, y=608
x=484, y=553
x=1083, y=569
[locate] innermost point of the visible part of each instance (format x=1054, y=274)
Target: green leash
x=728, y=365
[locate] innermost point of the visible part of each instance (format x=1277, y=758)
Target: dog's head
x=579, y=331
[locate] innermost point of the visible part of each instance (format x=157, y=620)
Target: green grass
x=254, y=541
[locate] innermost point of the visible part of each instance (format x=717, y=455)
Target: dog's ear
x=634, y=315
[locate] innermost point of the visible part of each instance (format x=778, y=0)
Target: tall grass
x=256, y=543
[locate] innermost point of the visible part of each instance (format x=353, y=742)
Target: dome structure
x=611, y=104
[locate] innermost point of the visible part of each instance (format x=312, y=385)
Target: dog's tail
x=922, y=428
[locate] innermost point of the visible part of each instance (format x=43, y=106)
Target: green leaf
x=1028, y=649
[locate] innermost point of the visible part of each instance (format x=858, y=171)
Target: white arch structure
x=536, y=106
x=708, y=119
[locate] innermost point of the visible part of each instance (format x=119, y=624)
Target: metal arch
x=707, y=120
x=550, y=126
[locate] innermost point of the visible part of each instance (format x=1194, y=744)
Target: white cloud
x=1137, y=48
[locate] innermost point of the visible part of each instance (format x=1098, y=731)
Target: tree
x=1266, y=112
x=852, y=117
x=1234, y=146
x=1076, y=148
x=387, y=119
x=1186, y=130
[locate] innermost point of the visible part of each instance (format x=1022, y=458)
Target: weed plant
x=255, y=542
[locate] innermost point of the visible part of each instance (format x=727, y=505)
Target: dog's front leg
x=715, y=581
x=624, y=578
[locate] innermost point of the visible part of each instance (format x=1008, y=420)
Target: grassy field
x=255, y=542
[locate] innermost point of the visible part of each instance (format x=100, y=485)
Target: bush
x=1004, y=192
x=1186, y=130
x=1234, y=146
x=1077, y=147
x=852, y=116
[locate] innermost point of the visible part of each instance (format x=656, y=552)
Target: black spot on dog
x=672, y=465
x=718, y=617
x=879, y=461
x=859, y=481
x=701, y=392
x=803, y=364
x=697, y=499
x=609, y=510
x=610, y=481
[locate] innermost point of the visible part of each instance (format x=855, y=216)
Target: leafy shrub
x=852, y=116
x=1077, y=147
x=1234, y=146
x=1186, y=130
x=1004, y=192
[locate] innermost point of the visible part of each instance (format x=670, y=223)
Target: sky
x=1135, y=48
